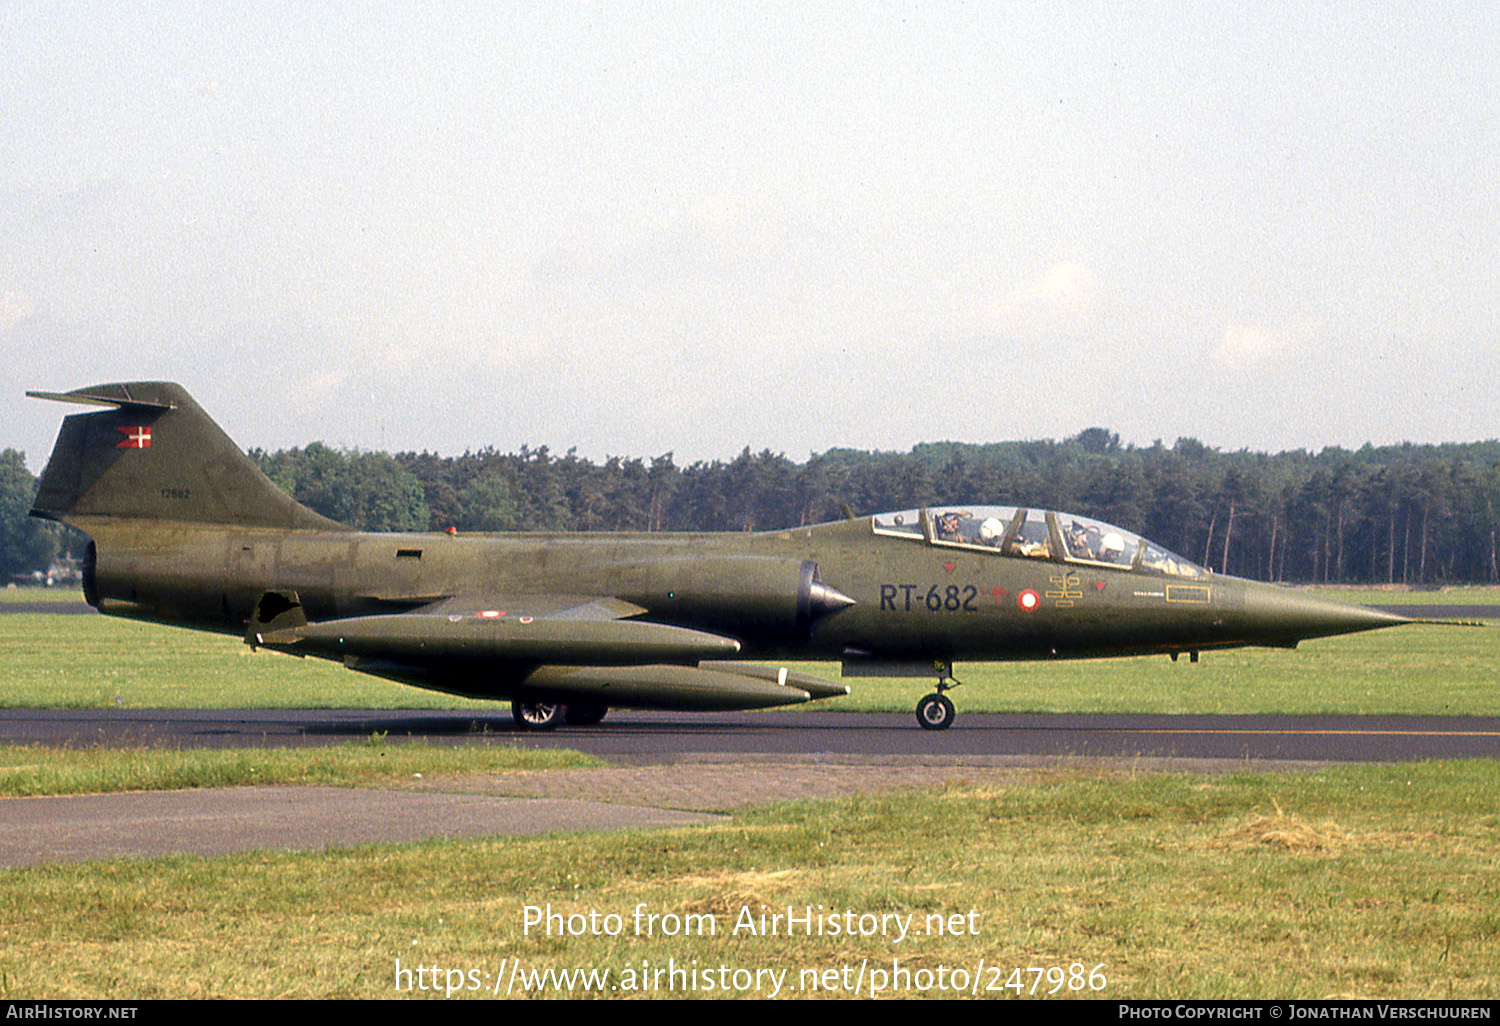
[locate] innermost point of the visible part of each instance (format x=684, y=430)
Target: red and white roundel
x=1028, y=600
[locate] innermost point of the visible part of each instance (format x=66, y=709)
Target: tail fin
x=155, y=455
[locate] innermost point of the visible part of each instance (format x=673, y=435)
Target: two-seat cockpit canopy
x=1035, y=534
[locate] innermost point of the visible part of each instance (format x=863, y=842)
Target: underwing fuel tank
x=817, y=687
x=416, y=638
x=709, y=687
x=661, y=687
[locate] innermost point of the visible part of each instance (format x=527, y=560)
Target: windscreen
x=1036, y=534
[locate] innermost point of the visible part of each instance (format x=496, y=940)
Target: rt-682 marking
x=937, y=599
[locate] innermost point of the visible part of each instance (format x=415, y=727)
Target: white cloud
x=1066, y=284
x=1244, y=343
x=15, y=307
x=722, y=211
x=1251, y=346
x=1059, y=300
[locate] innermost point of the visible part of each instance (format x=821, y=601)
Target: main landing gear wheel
x=935, y=712
x=585, y=715
x=538, y=715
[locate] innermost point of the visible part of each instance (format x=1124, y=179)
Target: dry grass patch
x=1287, y=834
x=726, y=904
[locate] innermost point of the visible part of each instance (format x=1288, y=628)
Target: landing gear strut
x=935, y=711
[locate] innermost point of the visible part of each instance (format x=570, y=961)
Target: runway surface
x=644, y=737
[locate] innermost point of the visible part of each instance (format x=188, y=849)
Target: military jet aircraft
x=186, y=530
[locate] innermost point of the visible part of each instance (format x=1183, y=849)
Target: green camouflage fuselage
x=912, y=600
x=186, y=530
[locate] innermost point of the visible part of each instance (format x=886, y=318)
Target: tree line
x=1413, y=514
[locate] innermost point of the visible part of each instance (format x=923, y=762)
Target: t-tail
x=151, y=453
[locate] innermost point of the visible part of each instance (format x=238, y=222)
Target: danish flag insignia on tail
x=135, y=438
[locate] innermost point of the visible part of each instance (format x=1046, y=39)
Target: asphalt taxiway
x=668, y=737
x=657, y=777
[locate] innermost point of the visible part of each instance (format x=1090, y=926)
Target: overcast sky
x=640, y=229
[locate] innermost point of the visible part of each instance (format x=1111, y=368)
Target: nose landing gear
x=935, y=711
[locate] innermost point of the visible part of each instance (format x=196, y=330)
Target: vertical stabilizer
x=151, y=453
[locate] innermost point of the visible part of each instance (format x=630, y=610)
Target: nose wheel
x=935, y=711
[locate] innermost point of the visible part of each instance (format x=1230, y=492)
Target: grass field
x=29, y=594
x=1347, y=881
x=1399, y=595
x=61, y=661
x=28, y=771
x=1341, y=882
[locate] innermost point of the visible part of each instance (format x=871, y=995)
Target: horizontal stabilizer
x=117, y=396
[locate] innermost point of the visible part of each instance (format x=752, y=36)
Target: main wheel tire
x=935, y=712
x=538, y=715
x=585, y=715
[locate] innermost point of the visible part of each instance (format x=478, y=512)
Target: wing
x=491, y=630
x=568, y=647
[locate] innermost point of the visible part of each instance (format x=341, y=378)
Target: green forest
x=1414, y=514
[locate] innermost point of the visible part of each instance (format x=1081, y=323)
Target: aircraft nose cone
x=824, y=600
x=1286, y=617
